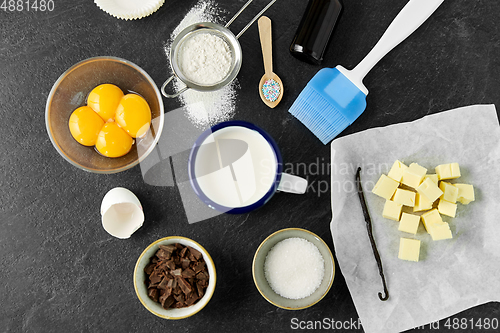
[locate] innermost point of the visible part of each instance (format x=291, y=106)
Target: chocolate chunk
x=169, y=248
x=202, y=276
x=185, y=263
x=188, y=273
x=153, y=294
x=177, y=276
x=162, y=254
x=155, y=277
x=149, y=269
x=203, y=283
x=185, y=286
x=197, y=254
x=165, y=252
x=177, y=290
x=183, y=252
x=163, y=283
x=200, y=290
x=199, y=266
x=168, y=289
x=166, y=302
x=180, y=298
x=162, y=266
x=191, y=298
x=170, y=264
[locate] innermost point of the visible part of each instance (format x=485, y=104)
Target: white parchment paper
x=452, y=275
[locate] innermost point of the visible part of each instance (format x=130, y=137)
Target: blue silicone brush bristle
x=322, y=118
x=328, y=104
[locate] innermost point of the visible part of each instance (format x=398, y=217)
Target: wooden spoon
x=270, y=86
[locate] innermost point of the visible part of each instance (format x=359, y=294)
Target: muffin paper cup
x=129, y=9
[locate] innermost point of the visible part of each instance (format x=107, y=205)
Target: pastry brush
x=335, y=97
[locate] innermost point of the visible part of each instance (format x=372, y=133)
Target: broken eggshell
x=121, y=213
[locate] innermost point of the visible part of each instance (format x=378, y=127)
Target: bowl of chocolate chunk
x=174, y=277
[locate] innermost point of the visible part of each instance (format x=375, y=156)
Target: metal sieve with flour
x=220, y=31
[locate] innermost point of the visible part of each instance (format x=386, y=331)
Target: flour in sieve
x=205, y=58
x=205, y=109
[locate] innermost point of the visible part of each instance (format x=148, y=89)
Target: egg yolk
x=133, y=115
x=110, y=120
x=104, y=100
x=85, y=125
x=113, y=141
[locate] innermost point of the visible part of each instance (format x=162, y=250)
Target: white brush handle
x=413, y=14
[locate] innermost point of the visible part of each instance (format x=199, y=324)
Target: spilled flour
x=204, y=108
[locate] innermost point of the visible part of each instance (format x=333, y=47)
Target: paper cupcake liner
x=129, y=9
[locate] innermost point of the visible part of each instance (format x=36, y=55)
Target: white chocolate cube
x=421, y=203
x=448, y=171
x=433, y=177
x=440, y=232
x=404, y=197
x=397, y=170
x=447, y=208
x=409, y=249
x=429, y=189
x=409, y=223
x=392, y=210
x=465, y=193
x=450, y=192
x=435, y=226
x=385, y=187
x=414, y=175
x=431, y=218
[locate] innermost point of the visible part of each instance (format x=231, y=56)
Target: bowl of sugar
x=293, y=269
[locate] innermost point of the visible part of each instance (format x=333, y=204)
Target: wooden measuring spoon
x=270, y=86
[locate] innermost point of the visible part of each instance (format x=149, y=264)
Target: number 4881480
x=27, y=5
x=470, y=324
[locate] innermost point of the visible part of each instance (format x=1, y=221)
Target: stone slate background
x=61, y=272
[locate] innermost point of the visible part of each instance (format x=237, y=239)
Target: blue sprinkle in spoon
x=270, y=86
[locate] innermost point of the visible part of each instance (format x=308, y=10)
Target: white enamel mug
x=236, y=167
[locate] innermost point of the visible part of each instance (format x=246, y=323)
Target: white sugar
x=294, y=268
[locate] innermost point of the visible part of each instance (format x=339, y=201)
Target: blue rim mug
x=248, y=138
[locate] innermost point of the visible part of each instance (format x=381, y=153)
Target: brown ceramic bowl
x=70, y=92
